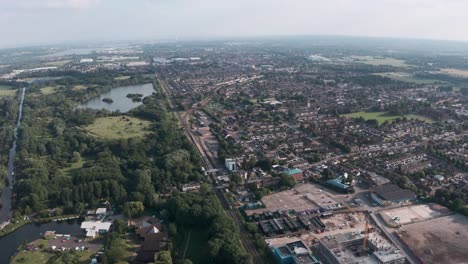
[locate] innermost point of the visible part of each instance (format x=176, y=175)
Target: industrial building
x=347, y=248
x=391, y=193
x=294, y=253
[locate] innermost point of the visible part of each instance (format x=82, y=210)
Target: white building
x=230, y=164
x=86, y=60
x=94, y=228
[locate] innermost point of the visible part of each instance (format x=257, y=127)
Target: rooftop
x=392, y=192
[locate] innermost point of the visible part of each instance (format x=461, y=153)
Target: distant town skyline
x=25, y=22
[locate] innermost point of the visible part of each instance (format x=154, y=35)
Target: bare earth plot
x=304, y=197
x=455, y=72
x=440, y=240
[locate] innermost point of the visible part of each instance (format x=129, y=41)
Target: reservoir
x=119, y=97
x=31, y=232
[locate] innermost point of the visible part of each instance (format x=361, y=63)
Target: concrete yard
x=415, y=213
x=304, y=197
x=439, y=240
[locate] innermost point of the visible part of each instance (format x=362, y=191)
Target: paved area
x=304, y=197
x=73, y=242
x=415, y=213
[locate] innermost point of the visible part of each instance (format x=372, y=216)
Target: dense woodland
x=60, y=165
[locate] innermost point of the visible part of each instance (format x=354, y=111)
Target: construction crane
x=366, y=236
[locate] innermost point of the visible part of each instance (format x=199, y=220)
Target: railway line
x=210, y=164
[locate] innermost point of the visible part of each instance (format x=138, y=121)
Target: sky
x=24, y=22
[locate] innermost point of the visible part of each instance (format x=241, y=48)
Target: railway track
x=210, y=164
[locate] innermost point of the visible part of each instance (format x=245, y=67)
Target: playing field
x=57, y=63
x=380, y=61
x=48, y=90
x=406, y=77
x=118, y=127
x=121, y=78
x=384, y=116
x=6, y=90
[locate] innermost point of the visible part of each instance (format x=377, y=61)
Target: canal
x=5, y=211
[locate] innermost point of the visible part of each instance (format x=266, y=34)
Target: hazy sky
x=51, y=21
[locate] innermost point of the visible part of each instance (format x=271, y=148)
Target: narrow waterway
x=5, y=211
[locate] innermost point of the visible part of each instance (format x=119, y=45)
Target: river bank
x=12, y=227
x=33, y=231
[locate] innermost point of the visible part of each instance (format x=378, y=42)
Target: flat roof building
x=391, y=193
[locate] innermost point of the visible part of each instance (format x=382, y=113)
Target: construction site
x=303, y=199
x=412, y=214
x=439, y=240
x=347, y=238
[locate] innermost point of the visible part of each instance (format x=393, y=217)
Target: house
x=154, y=239
x=439, y=177
x=191, y=187
x=391, y=193
x=296, y=174
x=153, y=243
x=94, y=228
x=230, y=164
x=101, y=213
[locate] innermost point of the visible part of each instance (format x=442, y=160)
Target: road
x=210, y=164
x=406, y=251
x=7, y=192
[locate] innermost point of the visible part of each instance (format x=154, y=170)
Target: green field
x=41, y=256
x=384, y=116
x=48, y=90
x=74, y=167
x=381, y=61
x=79, y=87
x=121, y=78
x=406, y=77
x=118, y=127
x=196, y=245
x=57, y=63
x=6, y=90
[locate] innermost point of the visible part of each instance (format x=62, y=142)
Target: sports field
x=6, y=90
x=381, y=117
x=118, y=127
x=380, y=61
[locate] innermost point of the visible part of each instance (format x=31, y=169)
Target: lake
x=31, y=232
x=119, y=95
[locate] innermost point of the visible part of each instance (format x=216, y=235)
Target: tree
x=163, y=257
x=132, y=209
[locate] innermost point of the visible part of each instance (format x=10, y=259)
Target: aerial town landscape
x=281, y=149
x=301, y=160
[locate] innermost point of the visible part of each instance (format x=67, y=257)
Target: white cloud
x=72, y=3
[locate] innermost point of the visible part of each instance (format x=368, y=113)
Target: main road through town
x=7, y=192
